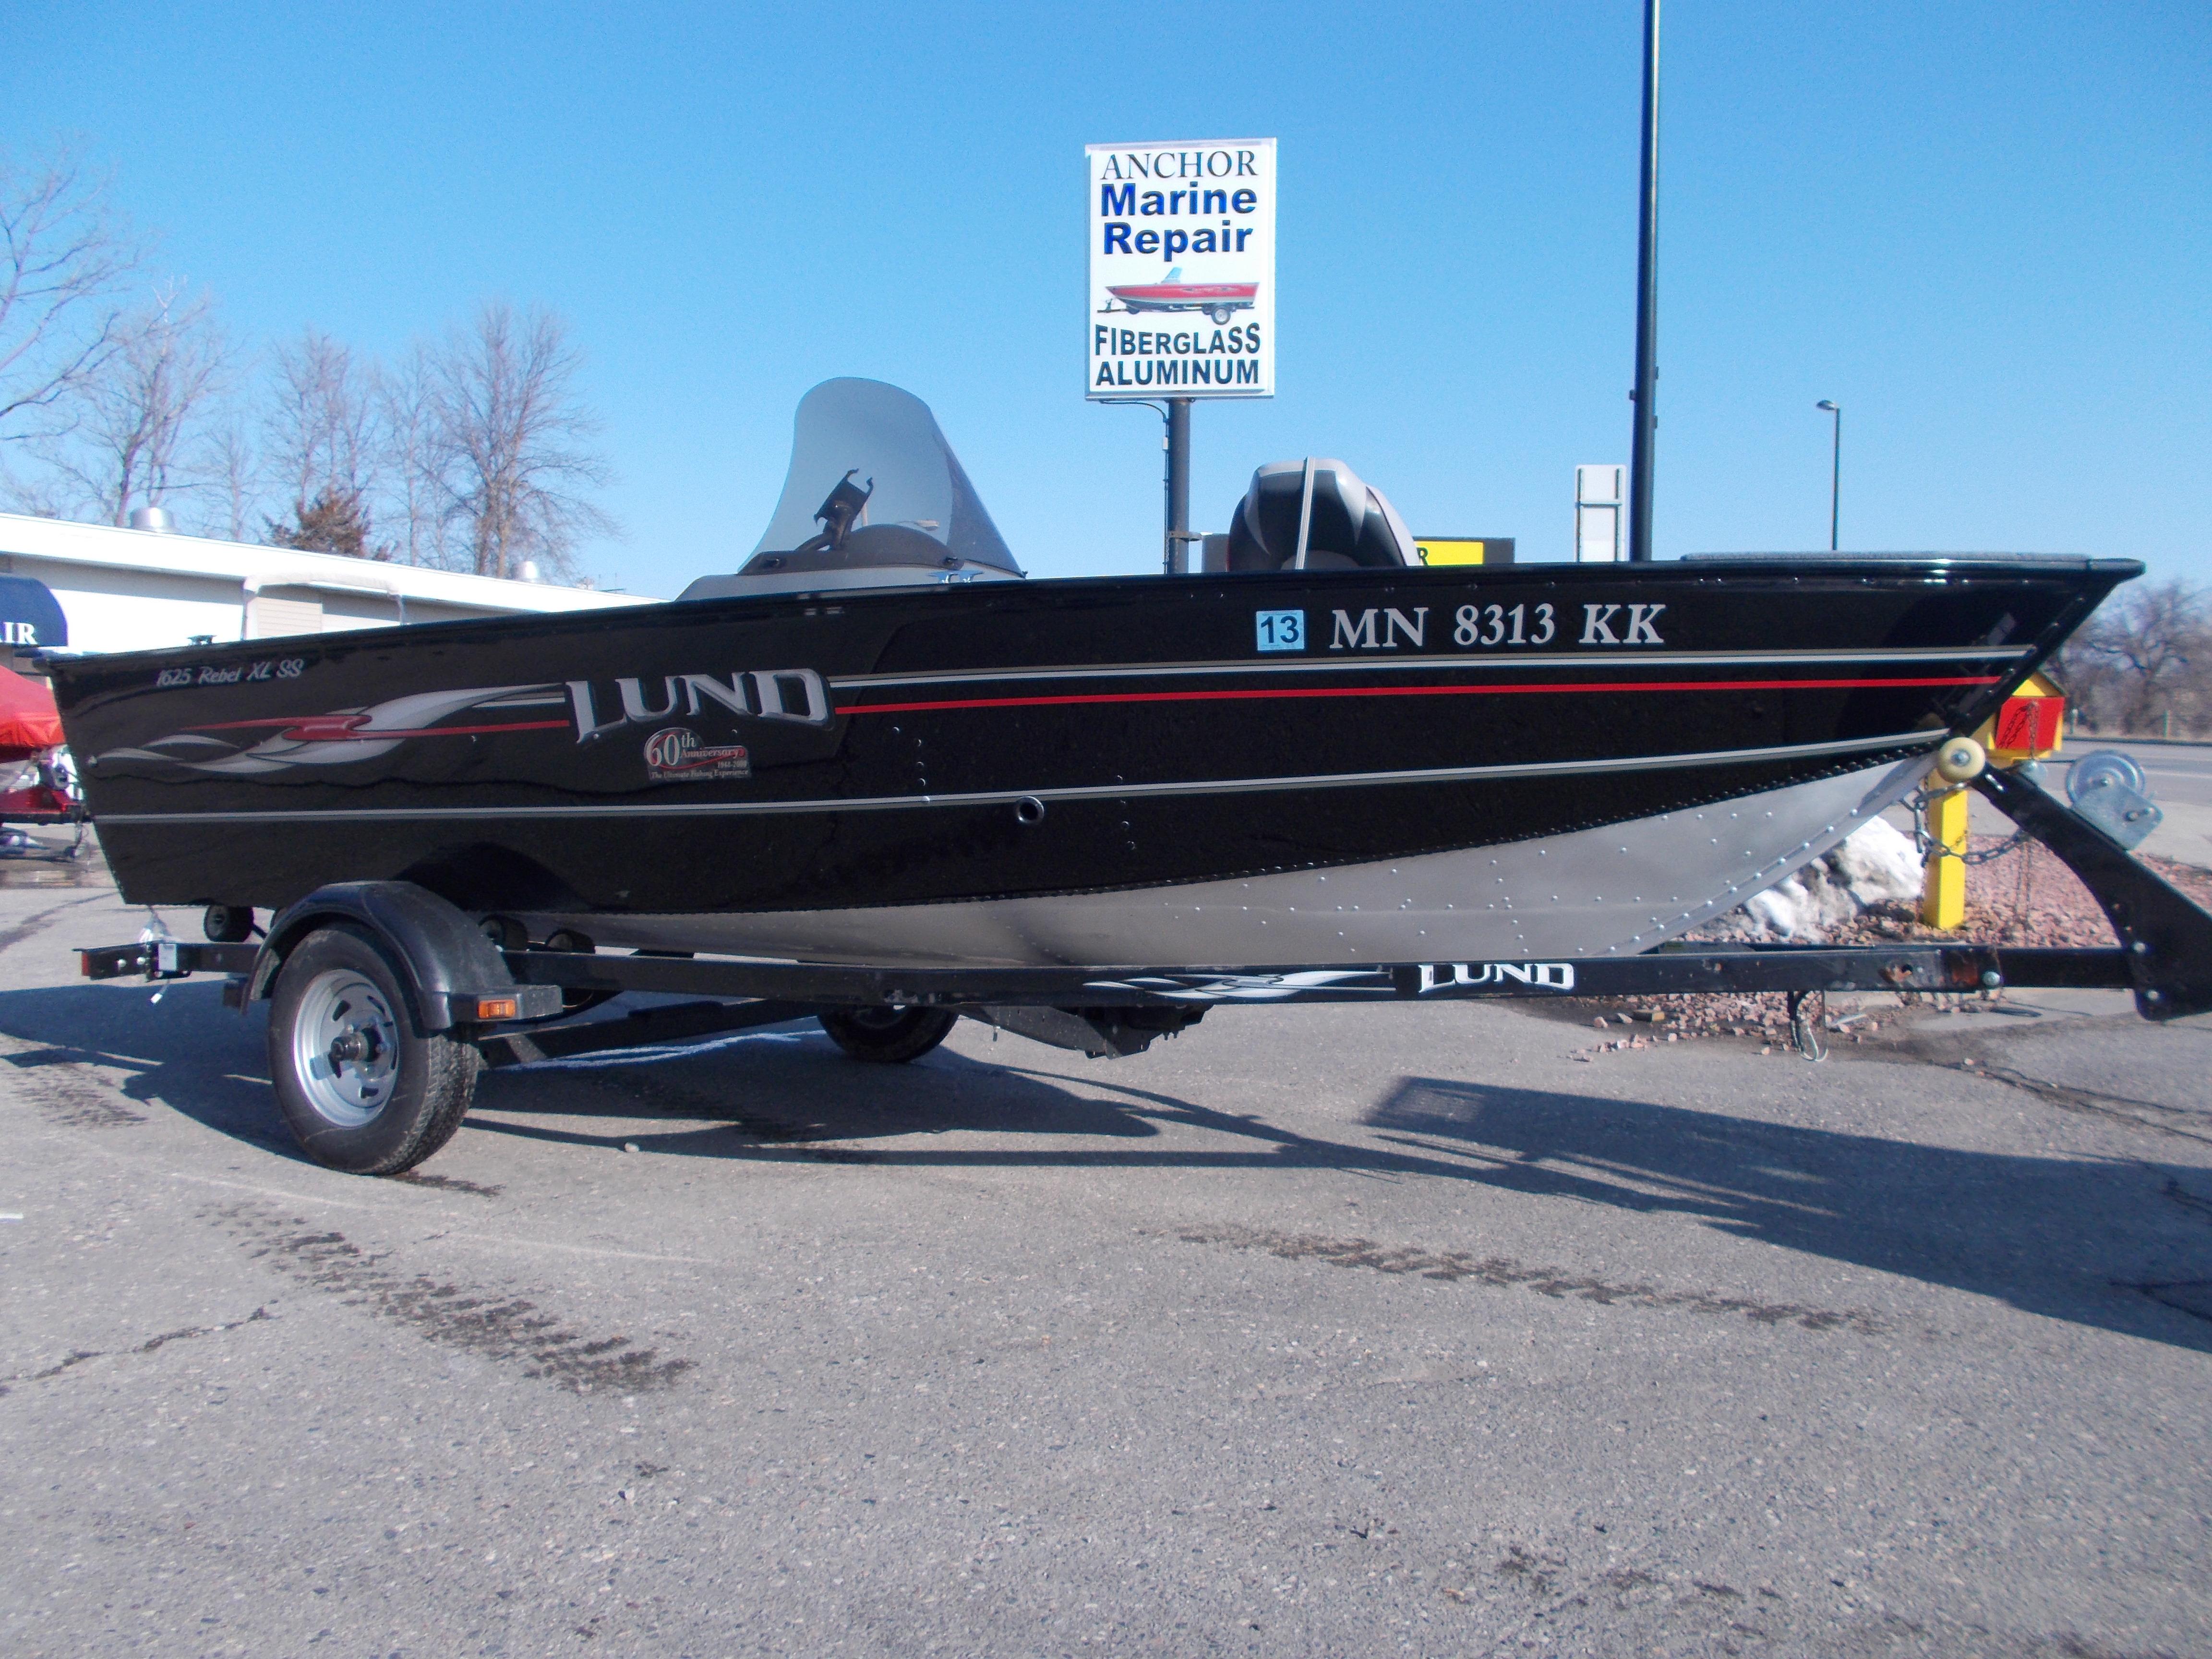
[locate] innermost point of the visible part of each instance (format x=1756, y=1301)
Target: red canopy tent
x=28, y=722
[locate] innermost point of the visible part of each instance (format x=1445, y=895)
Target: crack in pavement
x=1501, y=1271
x=2187, y=1199
x=78, y=1356
x=2089, y=1101
x=2189, y=1295
x=445, y=1183
x=38, y=921
x=1670, y=1607
x=1965, y=1051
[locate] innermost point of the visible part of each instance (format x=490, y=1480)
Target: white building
x=143, y=590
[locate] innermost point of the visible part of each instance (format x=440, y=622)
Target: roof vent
x=156, y=519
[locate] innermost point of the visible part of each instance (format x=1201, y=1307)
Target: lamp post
x=1645, y=437
x=1836, y=485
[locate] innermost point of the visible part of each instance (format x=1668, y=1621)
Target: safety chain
x=1808, y=1012
x=1923, y=843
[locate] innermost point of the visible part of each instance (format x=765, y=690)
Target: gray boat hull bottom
x=1618, y=890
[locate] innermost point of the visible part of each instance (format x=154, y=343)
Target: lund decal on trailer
x=1538, y=975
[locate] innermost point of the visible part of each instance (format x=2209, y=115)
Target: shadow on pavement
x=185, y=1053
x=2070, y=1239
x=789, y=1093
x=2074, y=1239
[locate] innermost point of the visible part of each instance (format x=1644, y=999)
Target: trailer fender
x=456, y=975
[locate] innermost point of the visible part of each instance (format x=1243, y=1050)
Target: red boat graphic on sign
x=1217, y=300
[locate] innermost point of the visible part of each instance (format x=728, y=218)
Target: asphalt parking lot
x=1322, y=1331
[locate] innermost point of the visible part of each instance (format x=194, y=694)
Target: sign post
x=1182, y=302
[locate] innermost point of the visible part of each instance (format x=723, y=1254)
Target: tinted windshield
x=888, y=441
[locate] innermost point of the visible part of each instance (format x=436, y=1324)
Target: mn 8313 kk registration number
x=1472, y=627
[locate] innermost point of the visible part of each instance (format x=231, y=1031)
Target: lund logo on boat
x=675, y=752
x=1539, y=976
x=777, y=694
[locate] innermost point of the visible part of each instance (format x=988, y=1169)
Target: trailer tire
x=887, y=1036
x=363, y=1087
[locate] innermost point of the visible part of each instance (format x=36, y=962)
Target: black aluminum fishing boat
x=876, y=744
x=877, y=778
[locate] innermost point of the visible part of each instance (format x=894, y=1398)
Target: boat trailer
x=482, y=985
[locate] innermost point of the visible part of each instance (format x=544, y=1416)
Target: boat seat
x=1350, y=525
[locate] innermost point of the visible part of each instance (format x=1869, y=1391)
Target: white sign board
x=1182, y=269
x=1600, y=495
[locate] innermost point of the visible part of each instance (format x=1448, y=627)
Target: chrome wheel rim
x=345, y=1047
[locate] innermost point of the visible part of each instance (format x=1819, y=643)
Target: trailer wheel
x=363, y=1087
x=889, y=1036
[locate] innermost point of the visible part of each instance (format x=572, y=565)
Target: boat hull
x=1076, y=771
x=1592, y=892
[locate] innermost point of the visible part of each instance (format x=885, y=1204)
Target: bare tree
x=418, y=494
x=518, y=443
x=2145, y=659
x=66, y=262
x=323, y=442
x=139, y=435
x=236, y=484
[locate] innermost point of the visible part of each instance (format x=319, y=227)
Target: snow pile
x=1877, y=863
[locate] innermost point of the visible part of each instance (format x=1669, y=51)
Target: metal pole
x=1647, y=304
x=1836, y=484
x=1178, y=535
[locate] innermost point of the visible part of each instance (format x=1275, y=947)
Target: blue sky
x=1982, y=228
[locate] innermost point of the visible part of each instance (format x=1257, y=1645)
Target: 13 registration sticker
x=1279, y=630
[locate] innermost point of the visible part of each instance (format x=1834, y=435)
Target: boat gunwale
x=1695, y=569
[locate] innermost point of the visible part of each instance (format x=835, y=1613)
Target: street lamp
x=1836, y=487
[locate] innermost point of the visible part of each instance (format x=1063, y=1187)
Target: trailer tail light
x=498, y=1008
